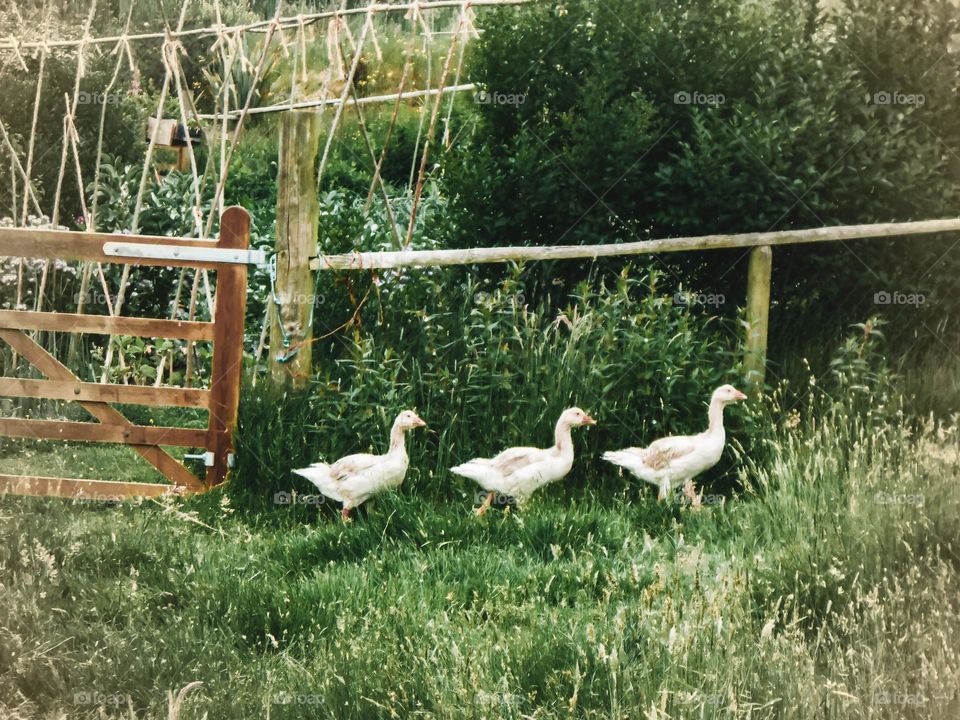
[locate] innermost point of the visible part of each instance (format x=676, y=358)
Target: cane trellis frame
x=285, y=32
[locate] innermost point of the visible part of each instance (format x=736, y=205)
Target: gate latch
x=207, y=458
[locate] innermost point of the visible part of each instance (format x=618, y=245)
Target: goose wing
x=515, y=459
x=498, y=474
x=353, y=464
x=661, y=453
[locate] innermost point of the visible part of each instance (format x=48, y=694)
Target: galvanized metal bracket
x=187, y=254
x=207, y=458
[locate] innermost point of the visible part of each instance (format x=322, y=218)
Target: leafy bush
x=124, y=126
x=640, y=119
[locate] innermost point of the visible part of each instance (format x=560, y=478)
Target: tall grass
x=828, y=591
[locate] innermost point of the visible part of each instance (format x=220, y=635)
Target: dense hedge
x=641, y=119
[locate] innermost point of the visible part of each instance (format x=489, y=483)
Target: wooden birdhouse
x=173, y=135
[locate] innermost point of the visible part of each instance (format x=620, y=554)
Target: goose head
x=575, y=417
x=726, y=394
x=408, y=420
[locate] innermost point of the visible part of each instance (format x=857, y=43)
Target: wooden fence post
x=758, y=316
x=298, y=213
x=231, y=305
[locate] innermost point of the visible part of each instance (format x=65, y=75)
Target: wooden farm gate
x=229, y=256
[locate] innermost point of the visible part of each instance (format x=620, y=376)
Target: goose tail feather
x=480, y=471
x=319, y=475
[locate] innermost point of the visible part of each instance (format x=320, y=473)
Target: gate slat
x=106, y=325
x=81, y=489
x=68, y=245
x=130, y=394
x=124, y=434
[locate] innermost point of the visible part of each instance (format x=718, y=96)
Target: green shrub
x=811, y=123
x=124, y=125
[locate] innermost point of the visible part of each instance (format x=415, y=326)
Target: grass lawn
x=829, y=590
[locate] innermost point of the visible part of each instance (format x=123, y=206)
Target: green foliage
x=560, y=152
x=124, y=125
x=804, y=118
x=139, y=355
x=350, y=166
x=169, y=205
x=860, y=372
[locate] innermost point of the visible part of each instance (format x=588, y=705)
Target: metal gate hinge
x=186, y=254
x=208, y=458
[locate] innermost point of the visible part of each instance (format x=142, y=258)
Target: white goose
x=354, y=479
x=518, y=472
x=671, y=461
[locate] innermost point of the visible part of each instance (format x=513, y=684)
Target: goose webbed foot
x=485, y=505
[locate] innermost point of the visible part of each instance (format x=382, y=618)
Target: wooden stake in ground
x=425, y=157
x=298, y=213
x=758, y=315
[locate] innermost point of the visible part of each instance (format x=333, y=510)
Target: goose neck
x=397, y=440
x=715, y=416
x=563, y=437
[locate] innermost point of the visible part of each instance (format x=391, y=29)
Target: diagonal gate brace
x=105, y=413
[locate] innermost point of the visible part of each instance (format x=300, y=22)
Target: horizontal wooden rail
x=431, y=258
x=106, y=325
x=67, y=245
x=102, y=432
x=39, y=486
x=95, y=392
x=324, y=102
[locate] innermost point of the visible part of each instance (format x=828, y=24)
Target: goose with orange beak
x=520, y=471
x=354, y=479
x=669, y=462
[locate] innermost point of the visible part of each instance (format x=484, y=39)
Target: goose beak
x=587, y=420
x=419, y=423
x=739, y=396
